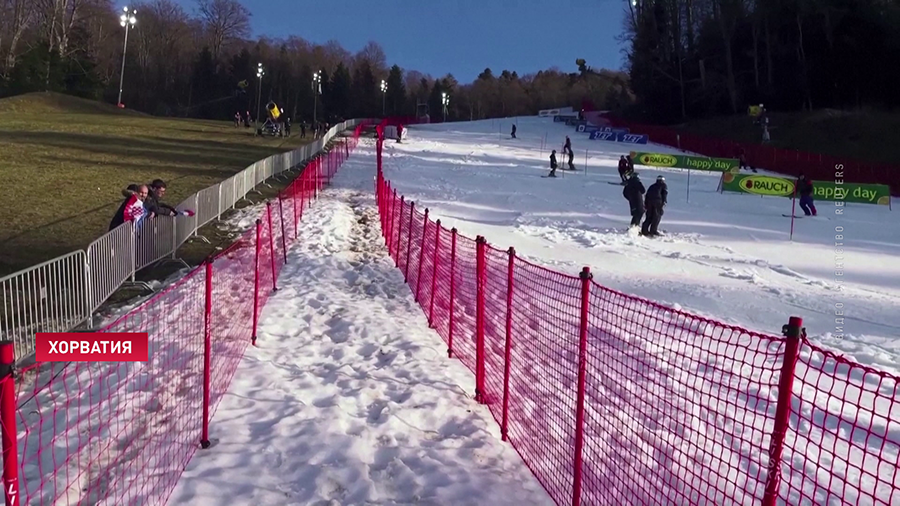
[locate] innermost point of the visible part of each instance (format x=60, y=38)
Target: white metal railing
x=60, y=294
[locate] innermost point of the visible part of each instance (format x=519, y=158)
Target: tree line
x=204, y=65
x=692, y=58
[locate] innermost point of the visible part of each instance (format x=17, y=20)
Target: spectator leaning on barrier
x=119, y=217
x=157, y=190
x=134, y=208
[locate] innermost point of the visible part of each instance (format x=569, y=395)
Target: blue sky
x=457, y=36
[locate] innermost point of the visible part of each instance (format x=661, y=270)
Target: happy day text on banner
x=684, y=161
x=828, y=191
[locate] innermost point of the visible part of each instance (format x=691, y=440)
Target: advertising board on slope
x=560, y=118
x=859, y=193
x=555, y=112
x=619, y=137
x=684, y=161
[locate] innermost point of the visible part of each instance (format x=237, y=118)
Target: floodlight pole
x=126, y=21
x=259, y=73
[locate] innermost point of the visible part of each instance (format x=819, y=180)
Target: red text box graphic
x=92, y=347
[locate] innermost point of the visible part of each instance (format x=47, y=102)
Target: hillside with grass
x=863, y=135
x=65, y=161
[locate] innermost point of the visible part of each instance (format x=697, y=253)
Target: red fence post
x=294, y=199
x=479, y=318
x=582, y=378
x=421, y=254
x=412, y=210
x=452, y=290
x=305, y=198
x=272, y=246
x=256, y=280
x=207, y=352
x=434, y=265
x=508, y=347
x=8, y=422
x=399, y=228
x=283, y=235
x=791, y=332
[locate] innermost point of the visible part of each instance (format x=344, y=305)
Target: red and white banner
x=92, y=347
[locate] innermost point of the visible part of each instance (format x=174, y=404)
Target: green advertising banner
x=684, y=161
x=860, y=193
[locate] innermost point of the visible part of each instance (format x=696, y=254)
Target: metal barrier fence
x=614, y=399
x=61, y=294
x=122, y=433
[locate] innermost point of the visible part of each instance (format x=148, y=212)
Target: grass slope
x=65, y=160
x=856, y=135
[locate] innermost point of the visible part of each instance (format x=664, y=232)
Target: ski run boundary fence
x=120, y=434
x=612, y=399
x=60, y=294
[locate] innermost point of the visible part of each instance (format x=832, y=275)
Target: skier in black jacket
x=513, y=133
x=552, y=164
x=654, y=202
x=634, y=193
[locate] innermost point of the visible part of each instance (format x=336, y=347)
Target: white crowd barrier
x=63, y=293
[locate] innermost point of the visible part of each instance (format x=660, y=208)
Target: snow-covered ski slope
x=691, y=423
x=725, y=256
x=349, y=397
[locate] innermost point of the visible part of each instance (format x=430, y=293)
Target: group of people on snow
x=653, y=200
x=567, y=149
x=142, y=201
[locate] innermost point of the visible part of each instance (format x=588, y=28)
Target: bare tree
x=16, y=16
x=226, y=21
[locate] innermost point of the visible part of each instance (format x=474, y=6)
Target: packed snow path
x=350, y=398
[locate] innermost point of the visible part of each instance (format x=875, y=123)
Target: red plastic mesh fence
x=677, y=409
x=122, y=433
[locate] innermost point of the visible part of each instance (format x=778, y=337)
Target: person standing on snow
x=630, y=164
x=805, y=189
x=552, y=164
x=634, y=194
x=513, y=133
x=623, y=169
x=568, y=147
x=654, y=202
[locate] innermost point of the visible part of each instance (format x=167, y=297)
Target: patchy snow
x=349, y=397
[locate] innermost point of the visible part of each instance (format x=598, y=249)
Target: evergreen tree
x=338, y=98
x=396, y=93
x=366, y=95
x=435, y=105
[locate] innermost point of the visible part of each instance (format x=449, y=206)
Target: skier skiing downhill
x=654, y=202
x=552, y=164
x=805, y=189
x=513, y=133
x=634, y=193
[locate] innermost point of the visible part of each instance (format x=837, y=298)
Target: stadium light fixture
x=260, y=72
x=317, y=90
x=445, y=101
x=383, y=94
x=128, y=19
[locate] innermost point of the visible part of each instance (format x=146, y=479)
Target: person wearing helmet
x=634, y=194
x=654, y=202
